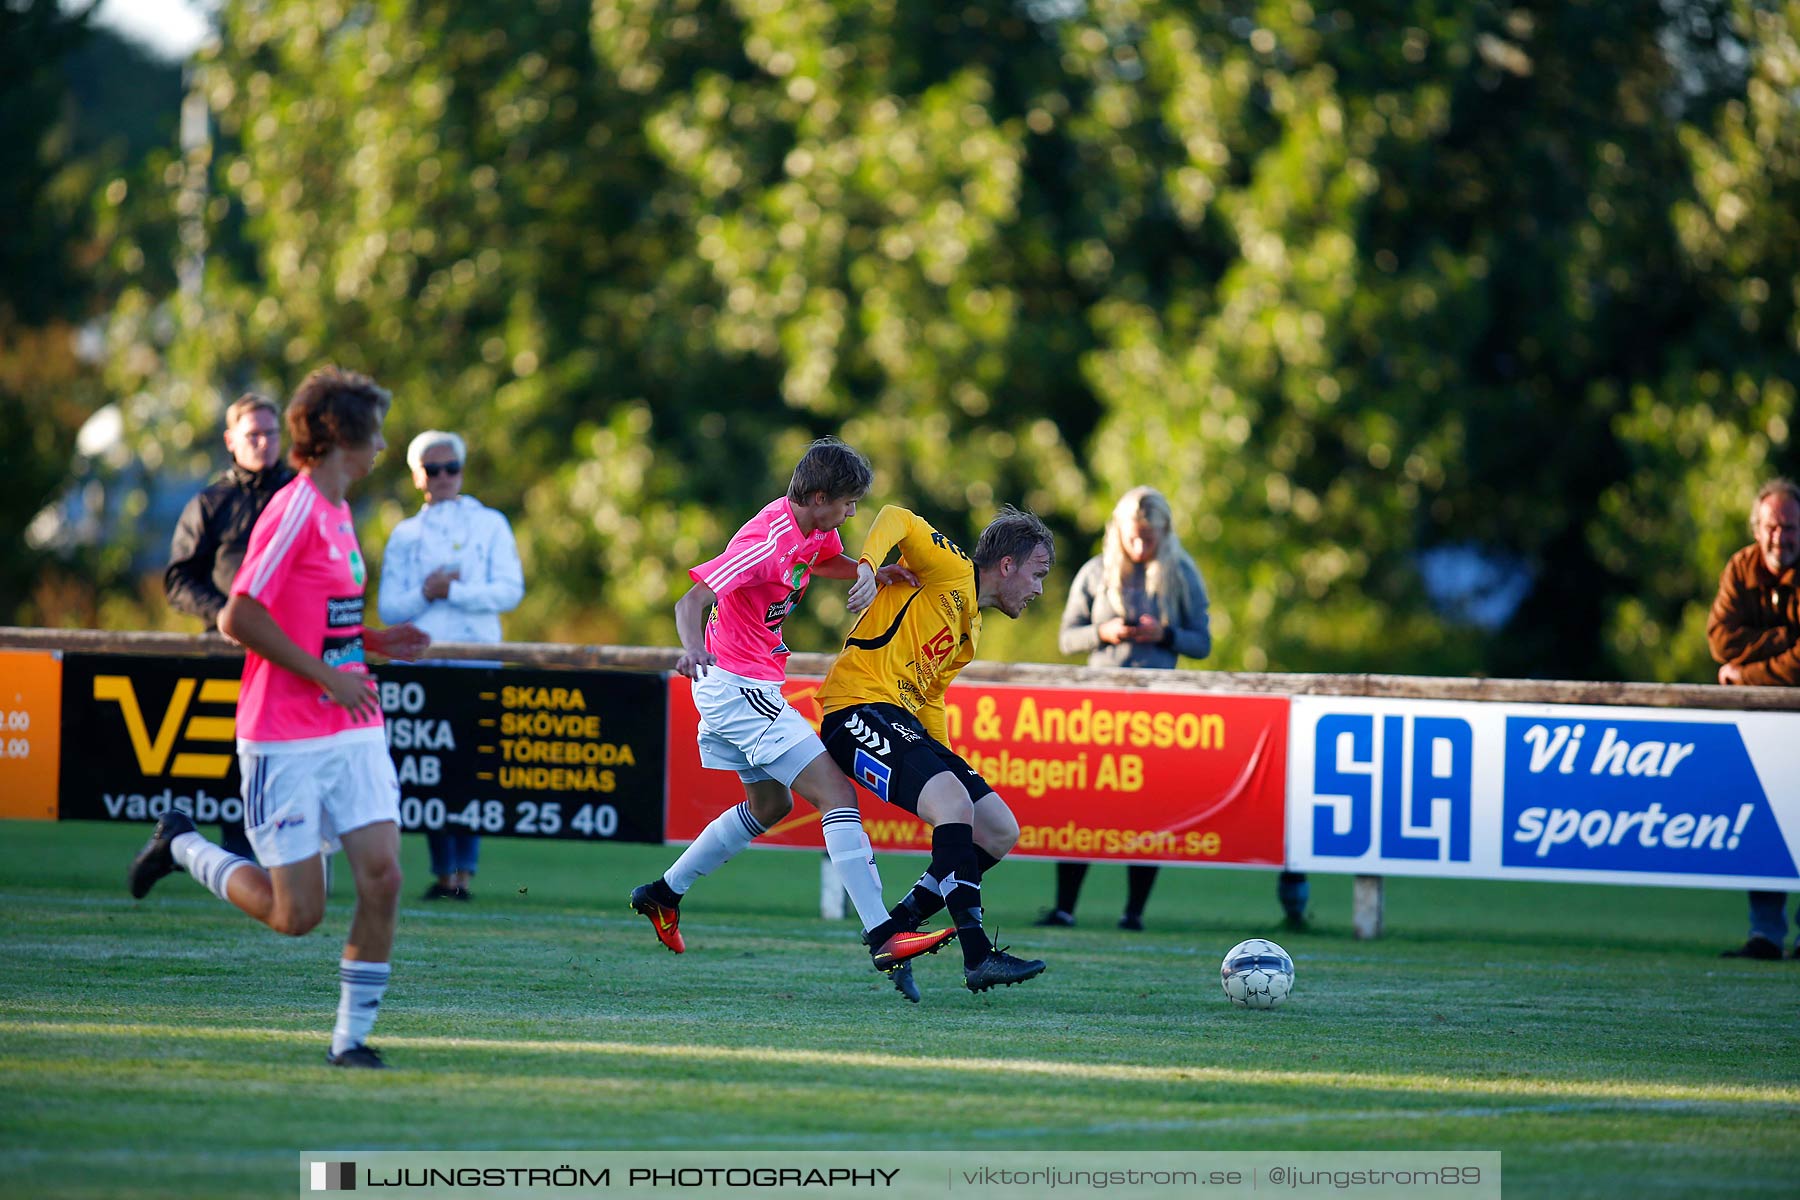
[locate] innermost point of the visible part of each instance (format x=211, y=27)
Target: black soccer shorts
x=884, y=748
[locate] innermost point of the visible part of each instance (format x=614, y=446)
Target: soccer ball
x=1257, y=974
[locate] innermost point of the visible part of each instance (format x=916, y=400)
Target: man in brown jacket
x=1754, y=632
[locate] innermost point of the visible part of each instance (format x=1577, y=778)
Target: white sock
x=211, y=865
x=359, y=999
x=854, y=859
x=729, y=832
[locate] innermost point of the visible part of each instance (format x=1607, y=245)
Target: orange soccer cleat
x=664, y=918
x=906, y=945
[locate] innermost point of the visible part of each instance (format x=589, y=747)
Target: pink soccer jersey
x=305, y=567
x=758, y=580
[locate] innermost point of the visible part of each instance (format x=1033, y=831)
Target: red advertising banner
x=1164, y=777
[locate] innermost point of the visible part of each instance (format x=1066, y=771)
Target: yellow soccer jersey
x=910, y=643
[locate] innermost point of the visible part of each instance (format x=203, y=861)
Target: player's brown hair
x=333, y=407
x=831, y=467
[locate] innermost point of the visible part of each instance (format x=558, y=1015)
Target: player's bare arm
x=405, y=641
x=869, y=580
x=245, y=621
x=690, y=627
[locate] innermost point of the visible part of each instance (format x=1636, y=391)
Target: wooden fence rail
x=661, y=658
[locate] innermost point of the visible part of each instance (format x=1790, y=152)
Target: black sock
x=914, y=907
x=662, y=893
x=1068, y=885
x=954, y=867
x=922, y=903
x=1138, y=881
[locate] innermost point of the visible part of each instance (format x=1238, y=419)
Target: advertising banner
x=1547, y=792
x=143, y=732
x=509, y=753
x=521, y=753
x=1094, y=775
x=30, y=733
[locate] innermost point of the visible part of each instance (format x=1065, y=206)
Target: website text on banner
x=509, y=753
x=1548, y=792
x=1100, y=775
x=30, y=733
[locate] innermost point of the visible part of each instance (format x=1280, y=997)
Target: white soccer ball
x=1257, y=974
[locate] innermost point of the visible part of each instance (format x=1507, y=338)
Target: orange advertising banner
x=30, y=733
x=1160, y=777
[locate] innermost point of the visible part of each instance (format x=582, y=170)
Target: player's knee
x=834, y=794
x=379, y=881
x=769, y=809
x=944, y=801
x=997, y=833
x=297, y=920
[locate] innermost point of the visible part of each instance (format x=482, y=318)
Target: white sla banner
x=1678, y=797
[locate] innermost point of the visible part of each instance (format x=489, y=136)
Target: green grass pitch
x=174, y=1048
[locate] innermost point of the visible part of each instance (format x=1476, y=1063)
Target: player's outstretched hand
x=693, y=664
x=354, y=693
x=406, y=641
x=862, y=592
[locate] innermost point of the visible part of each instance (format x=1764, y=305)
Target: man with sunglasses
x=451, y=569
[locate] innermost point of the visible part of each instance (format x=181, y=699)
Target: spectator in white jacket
x=451, y=569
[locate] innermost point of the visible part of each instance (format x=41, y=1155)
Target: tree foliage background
x=1459, y=335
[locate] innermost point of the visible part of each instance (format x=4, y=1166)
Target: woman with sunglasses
x=452, y=568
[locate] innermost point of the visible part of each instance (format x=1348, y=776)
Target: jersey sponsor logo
x=777, y=612
x=905, y=732
x=862, y=732
x=944, y=543
x=942, y=644
x=871, y=772
x=343, y=612
x=340, y=652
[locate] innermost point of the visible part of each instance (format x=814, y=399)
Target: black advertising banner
x=502, y=752
x=525, y=753
x=142, y=732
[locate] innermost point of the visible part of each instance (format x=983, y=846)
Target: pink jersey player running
x=737, y=659
x=311, y=747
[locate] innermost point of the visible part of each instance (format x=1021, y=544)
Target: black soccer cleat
x=359, y=1056
x=157, y=858
x=903, y=981
x=1001, y=968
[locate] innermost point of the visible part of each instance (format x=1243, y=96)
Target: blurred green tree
x=66, y=246
x=1454, y=332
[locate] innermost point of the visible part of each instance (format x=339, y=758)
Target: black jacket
x=212, y=535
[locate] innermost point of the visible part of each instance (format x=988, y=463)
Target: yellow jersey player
x=883, y=701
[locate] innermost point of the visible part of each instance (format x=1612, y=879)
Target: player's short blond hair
x=248, y=403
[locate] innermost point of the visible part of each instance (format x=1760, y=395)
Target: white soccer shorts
x=298, y=798
x=747, y=726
